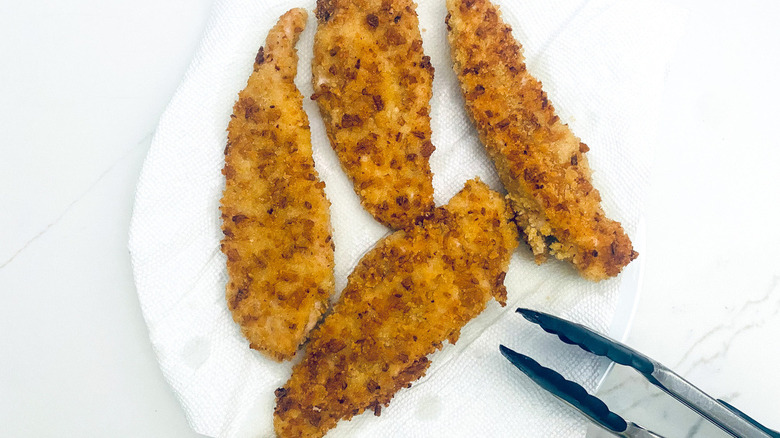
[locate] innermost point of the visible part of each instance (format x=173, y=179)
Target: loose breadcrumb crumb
x=373, y=86
x=275, y=216
x=414, y=290
x=540, y=161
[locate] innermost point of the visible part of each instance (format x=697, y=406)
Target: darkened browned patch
x=351, y=120
x=427, y=149
x=260, y=57
x=324, y=9
x=372, y=20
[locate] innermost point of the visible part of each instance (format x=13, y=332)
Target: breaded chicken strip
x=414, y=290
x=275, y=215
x=373, y=86
x=540, y=161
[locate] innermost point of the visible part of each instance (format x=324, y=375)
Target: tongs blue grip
x=570, y=392
x=720, y=413
x=588, y=340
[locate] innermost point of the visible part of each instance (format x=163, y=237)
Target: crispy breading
x=275, y=215
x=417, y=288
x=540, y=161
x=373, y=86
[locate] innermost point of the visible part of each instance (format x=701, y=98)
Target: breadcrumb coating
x=275, y=216
x=414, y=290
x=373, y=86
x=540, y=161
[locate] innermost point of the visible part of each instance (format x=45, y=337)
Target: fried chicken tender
x=417, y=288
x=275, y=215
x=373, y=86
x=540, y=161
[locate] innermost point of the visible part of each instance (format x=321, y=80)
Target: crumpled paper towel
x=602, y=63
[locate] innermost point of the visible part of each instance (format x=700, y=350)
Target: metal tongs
x=720, y=413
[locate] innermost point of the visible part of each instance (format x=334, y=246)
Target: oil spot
x=195, y=352
x=429, y=407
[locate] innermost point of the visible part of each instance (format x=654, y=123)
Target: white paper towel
x=602, y=63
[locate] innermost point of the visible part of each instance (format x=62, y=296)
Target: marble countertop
x=84, y=83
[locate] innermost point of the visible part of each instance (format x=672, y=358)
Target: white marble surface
x=83, y=83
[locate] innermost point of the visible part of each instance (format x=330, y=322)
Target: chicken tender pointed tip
x=417, y=288
x=275, y=216
x=372, y=83
x=541, y=163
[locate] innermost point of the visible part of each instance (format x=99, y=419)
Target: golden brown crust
x=414, y=290
x=275, y=215
x=541, y=162
x=373, y=86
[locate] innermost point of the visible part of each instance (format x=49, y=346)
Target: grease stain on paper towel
x=429, y=407
x=195, y=352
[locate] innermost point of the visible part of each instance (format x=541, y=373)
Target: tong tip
x=529, y=314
